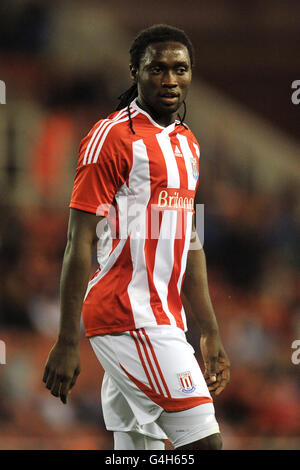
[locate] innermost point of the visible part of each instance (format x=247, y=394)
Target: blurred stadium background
x=64, y=64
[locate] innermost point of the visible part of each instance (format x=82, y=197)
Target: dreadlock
x=156, y=33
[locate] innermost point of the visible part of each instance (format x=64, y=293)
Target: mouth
x=169, y=98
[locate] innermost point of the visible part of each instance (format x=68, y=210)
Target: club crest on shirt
x=194, y=168
x=186, y=382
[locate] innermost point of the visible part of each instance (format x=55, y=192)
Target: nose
x=169, y=80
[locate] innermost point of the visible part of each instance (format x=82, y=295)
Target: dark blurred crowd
x=253, y=256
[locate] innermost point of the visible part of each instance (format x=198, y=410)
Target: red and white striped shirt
x=145, y=184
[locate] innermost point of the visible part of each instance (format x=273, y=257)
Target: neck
x=162, y=119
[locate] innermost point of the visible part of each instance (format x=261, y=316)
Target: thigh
x=154, y=369
x=125, y=406
x=117, y=413
x=185, y=427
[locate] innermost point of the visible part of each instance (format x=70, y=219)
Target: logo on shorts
x=186, y=382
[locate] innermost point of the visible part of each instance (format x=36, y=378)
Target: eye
x=181, y=70
x=155, y=70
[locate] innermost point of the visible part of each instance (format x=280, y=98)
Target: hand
x=216, y=362
x=61, y=370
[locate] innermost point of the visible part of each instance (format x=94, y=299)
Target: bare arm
x=196, y=293
x=63, y=364
x=75, y=272
x=196, y=290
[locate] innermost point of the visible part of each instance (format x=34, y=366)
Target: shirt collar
x=168, y=129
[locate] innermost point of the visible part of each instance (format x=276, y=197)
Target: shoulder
x=190, y=136
x=106, y=137
x=115, y=124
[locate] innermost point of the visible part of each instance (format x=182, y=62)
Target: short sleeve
x=102, y=169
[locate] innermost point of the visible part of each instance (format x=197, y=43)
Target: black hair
x=156, y=33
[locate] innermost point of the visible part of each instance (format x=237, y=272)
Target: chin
x=171, y=109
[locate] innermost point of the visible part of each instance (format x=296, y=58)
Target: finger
x=56, y=386
x=221, y=387
x=211, y=379
x=50, y=379
x=75, y=376
x=212, y=368
x=223, y=376
x=213, y=387
x=46, y=372
x=226, y=374
x=213, y=384
x=222, y=380
x=65, y=390
x=68, y=385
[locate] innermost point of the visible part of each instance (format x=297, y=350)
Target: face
x=163, y=79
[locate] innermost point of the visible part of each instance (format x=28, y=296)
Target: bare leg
x=213, y=442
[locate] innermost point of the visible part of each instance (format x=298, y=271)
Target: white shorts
x=151, y=377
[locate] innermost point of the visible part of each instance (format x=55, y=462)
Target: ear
x=133, y=73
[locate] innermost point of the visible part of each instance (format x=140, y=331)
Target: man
x=138, y=173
